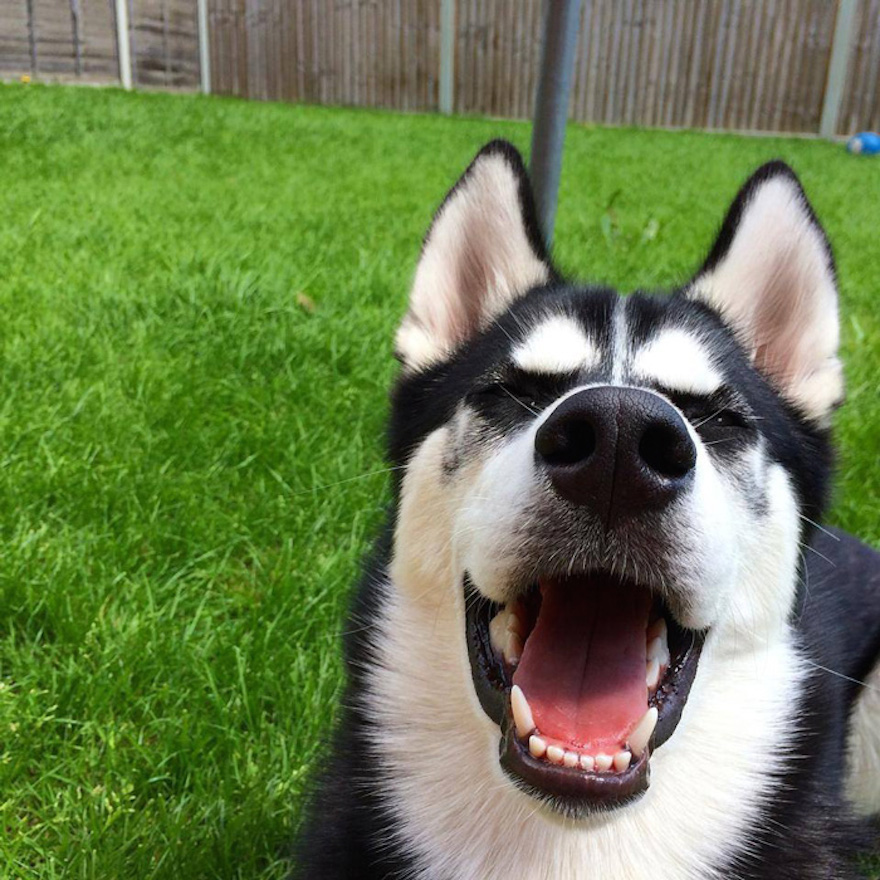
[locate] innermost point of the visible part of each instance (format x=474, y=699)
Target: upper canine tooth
x=638, y=739
x=522, y=714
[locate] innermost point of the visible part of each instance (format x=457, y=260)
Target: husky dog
x=604, y=636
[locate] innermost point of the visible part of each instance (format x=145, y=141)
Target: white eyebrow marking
x=677, y=361
x=556, y=345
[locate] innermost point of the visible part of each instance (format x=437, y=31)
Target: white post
x=447, y=54
x=204, y=47
x=837, y=67
x=123, y=45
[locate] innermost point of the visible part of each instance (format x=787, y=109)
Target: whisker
x=523, y=405
x=819, y=527
x=388, y=470
x=857, y=681
x=820, y=555
x=708, y=418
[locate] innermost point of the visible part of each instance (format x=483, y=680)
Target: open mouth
x=585, y=676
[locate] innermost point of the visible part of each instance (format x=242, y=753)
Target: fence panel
x=861, y=95
x=757, y=65
x=164, y=43
x=15, y=55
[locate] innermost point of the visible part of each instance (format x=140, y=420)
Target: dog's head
x=603, y=484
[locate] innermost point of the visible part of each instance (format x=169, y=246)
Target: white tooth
x=516, y=625
x=587, y=762
x=604, y=762
x=522, y=714
x=537, y=746
x=498, y=631
x=652, y=675
x=658, y=648
x=514, y=648
x=555, y=754
x=621, y=761
x=638, y=739
x=570, y=759
x=657, y=629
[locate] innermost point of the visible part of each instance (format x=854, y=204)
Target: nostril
x=567, y=443
x=668, y=450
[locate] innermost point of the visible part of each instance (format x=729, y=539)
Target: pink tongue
x=583, y=666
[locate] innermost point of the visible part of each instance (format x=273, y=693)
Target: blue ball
x=865, y=143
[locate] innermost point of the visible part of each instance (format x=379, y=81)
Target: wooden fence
x=756, y=65
x=77, y=39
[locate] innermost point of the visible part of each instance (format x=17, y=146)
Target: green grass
x=189, y=460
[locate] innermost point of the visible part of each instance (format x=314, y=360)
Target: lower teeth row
x=539, y=747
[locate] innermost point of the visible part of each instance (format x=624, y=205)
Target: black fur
x=807, y=832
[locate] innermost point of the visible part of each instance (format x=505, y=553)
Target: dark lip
x=573, y=791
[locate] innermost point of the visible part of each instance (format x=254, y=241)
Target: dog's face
x=602, y=485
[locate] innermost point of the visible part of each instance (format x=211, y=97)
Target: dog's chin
x=585, y=677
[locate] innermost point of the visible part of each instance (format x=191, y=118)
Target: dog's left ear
x=771, y=276
x=483, y=249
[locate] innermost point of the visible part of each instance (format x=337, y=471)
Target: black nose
x=620, y=451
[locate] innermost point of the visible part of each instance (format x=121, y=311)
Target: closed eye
x=715, y=414
x=530, y=389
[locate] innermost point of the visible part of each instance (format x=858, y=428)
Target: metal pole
x=447, y=54
x=561, y=19
x=837, y=67
x=122, y=44
x=204, y=48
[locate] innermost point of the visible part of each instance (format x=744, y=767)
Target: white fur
x=557, y=345
x=863, y=784
x=777, y=288
x=455, y=809
x=619, y=343
x=476, y=259
x=678, y=362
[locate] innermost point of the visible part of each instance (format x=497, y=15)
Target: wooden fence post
x=75, y=15
x=837, y=67
x=447, y=55
x=204, y=48
x=32, y=37
x=123, y=46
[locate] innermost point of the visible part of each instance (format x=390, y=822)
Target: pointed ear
x=771, y=276
x=483, y=249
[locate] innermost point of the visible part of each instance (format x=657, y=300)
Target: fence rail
x=758, y=65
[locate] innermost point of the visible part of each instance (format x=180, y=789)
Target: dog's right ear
x=484, y=248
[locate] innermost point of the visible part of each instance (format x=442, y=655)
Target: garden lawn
x=198, y=298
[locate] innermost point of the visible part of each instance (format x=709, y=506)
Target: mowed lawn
x=198, y=298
